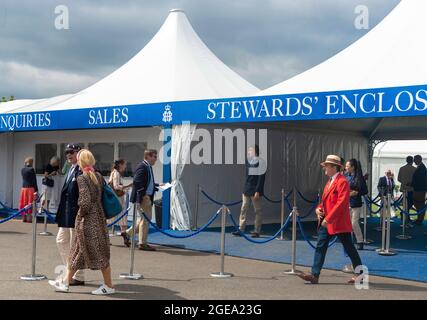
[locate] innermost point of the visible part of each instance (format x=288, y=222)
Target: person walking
x=358, y=188
x=419, y=183
x=29, y=189
x=51, y=171
x=253, y=191
x=386, y=184
x=67, y=211
x=143, y=190
x=405, y=178
x=116, y=183
x=333, y=214
x=91, y=249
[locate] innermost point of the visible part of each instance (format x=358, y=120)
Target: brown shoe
x=309, y=278
x=75, y=283
x=352, y=280
x=146, y=247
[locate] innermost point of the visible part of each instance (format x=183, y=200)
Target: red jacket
x=336, y=206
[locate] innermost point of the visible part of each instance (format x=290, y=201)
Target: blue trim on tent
x=405, y=101
x=167, y=176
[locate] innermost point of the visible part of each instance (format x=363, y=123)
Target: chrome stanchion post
x=403, y=236
x=282, y=214
x=222, y=274
x=33, y=276
x=294, y=238
x=131, y=275
x=386, y=251
x=382, y=221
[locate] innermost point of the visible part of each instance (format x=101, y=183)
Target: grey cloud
x=265, y=41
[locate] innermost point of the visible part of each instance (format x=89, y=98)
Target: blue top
x=359, y=185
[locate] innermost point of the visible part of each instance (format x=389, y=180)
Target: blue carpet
x=410, y=263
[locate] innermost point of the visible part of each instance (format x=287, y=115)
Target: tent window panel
x=104, y=156
x=44, y=152
x=64, y=163
x=133, y=153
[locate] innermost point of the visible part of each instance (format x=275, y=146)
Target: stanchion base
x=222, y=275
x=292, y=272
x=33, y=277
x=348, y=269
x=133, y=276
x=315, y=237
x=386, y=253
x=47, y=233
x=379, y=249
x=403, y=237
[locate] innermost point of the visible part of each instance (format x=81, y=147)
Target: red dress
x=26, y=198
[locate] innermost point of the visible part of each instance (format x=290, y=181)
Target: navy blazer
x=141, y=180
x=68, y=205
x=419, y=179
x=29, y=179
x=253, y=183
x=382, y=185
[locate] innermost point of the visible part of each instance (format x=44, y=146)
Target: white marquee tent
x=174, y=65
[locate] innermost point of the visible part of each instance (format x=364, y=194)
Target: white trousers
x=355, y=216
x=63, y=242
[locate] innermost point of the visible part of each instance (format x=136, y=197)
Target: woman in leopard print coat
x=90, y=248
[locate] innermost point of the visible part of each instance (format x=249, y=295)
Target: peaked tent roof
x=392, y=54
x=175, y=65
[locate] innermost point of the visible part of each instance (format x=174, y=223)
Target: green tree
x=4, y=99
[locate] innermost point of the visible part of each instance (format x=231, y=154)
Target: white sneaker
x=59, y=286
x=104, y=290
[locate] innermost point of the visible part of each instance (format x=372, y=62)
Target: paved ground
x=178, y=275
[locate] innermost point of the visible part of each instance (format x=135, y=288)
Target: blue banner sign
x=355, y=104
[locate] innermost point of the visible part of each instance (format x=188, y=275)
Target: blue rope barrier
x=49, y=215
x=6, y=207
x=288, y=204
x=308, y=241
x=16, y=214
x=285, y=225
x=277, y=201
x=231, y=204
x=373, y=200
x=119, y=218
x=272, y=201
x=313, y=207
x=419, y=212
x=183, y=236
x=306, y=200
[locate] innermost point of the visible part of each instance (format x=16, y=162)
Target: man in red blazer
x=333, y=215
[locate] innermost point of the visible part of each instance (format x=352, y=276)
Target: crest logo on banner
x=167, y=115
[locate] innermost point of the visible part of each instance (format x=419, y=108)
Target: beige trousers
x=145, y=206
x=355, y=216
x=258, y=212
x=64, y=240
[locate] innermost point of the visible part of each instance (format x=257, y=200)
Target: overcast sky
x=265, y=41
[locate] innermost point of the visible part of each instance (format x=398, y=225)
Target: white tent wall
x=294, y=156
x=6, y=161
x=24, y=145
